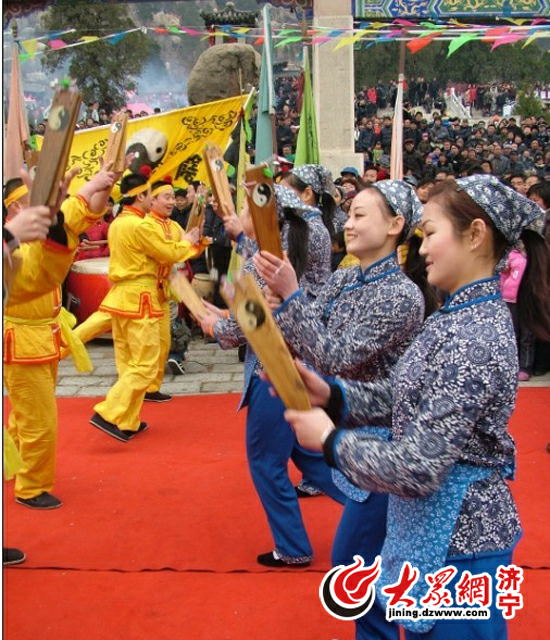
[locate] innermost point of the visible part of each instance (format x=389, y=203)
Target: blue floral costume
x=451, y=394
x=270, y=440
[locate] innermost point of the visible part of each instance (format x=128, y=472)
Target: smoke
x=158, y=87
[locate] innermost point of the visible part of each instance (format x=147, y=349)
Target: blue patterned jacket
x=359, y=324
x=451, y=395
x=228, y=333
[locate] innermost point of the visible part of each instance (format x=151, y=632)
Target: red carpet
x=180, y=497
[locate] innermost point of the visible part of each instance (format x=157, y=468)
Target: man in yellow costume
x=35, y=329
x=142, y=251
x=159, y=221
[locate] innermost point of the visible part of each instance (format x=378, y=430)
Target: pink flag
x=495, y=32
x=17, y=130
x=509, y=39
x=57, y=44
x=320, y=40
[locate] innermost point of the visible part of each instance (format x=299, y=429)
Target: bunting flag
x=170, y=143
x=17, y=131
x=266, y=101
x=350, y=39
x=57, y=44
x=416, y=45
x=495, y=32
x=530, y=39
x=364, y=33
x=307, y=144
x=509, y=39
x=454, y=45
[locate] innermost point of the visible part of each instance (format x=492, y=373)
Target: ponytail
x=327, y=205
x=534, y=290
x=298, y=241
x=415, y=268
x=325, y=202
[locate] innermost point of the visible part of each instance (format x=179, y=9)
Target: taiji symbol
x=116, y=127
x=58, y=118
x=250, y=315
x=218, y=164
x=261, y=195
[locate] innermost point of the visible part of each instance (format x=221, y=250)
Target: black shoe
x=176, y=366
x=12, y=556
x=269, y=560
x=142, y=427
x=157, y=396
x=108, y=427
x=43, y=501
x=306, y=490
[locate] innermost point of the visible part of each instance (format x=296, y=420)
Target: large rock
x=215, y=75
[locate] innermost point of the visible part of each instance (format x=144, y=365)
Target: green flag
x=307, y=145
x=264, y=123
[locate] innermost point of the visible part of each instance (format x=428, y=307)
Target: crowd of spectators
x=435, y=145
x=99, y=113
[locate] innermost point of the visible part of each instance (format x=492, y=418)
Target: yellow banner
x=170, y=143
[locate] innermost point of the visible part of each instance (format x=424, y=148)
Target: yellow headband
x=161, y=188
x=136, y=190
x=15, y=195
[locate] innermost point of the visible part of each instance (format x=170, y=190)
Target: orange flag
x=17, y=130
x=419, y=43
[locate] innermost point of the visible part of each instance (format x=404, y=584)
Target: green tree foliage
x=101, y=69
x=472, y=63
x=529, y=105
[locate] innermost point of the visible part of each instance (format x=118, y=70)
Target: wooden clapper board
x=215, y=168
x=250, y=310
x=54, y=154
x=196, y=215
x=185, y=293
x=116, y=144
x=261, y=203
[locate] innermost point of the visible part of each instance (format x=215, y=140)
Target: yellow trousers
x=137, y=351
x=165, y=342
x=95, y=325
x=101, y=322
x=33, y=424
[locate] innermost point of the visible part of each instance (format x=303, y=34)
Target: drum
x=204, y=287
x=87, y=285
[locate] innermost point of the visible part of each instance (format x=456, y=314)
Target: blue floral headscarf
x=403, y=200
x=286, y=197
x=510, y=212
x=316, y=176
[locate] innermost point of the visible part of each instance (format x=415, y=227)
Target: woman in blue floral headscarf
x=451, y=395
x=357, y=327
x=269, y=440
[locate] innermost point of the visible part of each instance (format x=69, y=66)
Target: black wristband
x=11, y=241
x=7, y=235
x=335, y=403
x=57, y=231
x=328, y=448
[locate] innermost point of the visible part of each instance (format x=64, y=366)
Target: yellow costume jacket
x=31, y=330
x=142, y=252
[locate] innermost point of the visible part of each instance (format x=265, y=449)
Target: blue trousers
x=361, y=531
x=270, y=443
x=494, y=628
